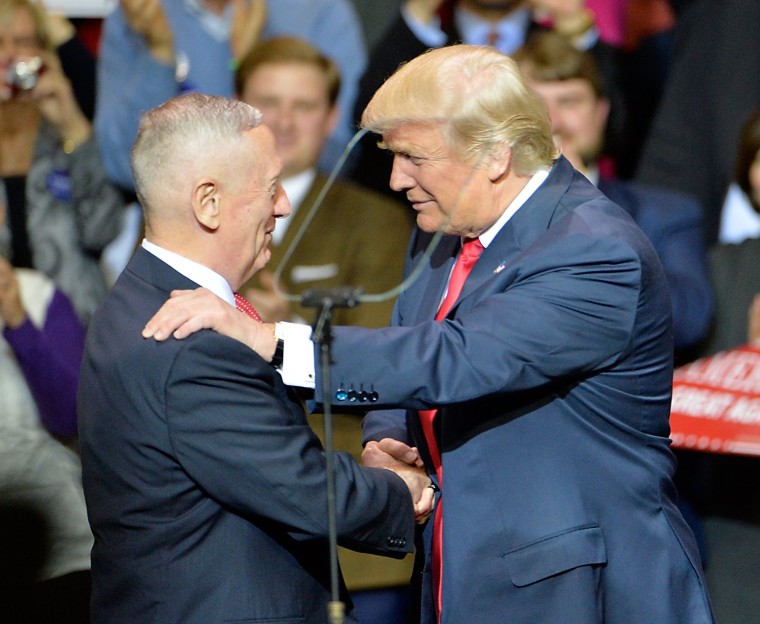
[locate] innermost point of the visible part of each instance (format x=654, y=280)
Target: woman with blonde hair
x=61, y=209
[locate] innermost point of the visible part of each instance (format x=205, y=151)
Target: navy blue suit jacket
x=553, y=377
x=675, y=225
x=205, y=486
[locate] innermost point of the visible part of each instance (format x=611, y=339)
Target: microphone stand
x=326, y=300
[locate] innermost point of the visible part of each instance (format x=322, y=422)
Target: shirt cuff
x=298, y=354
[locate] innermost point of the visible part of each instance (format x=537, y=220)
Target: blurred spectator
x=296, y=88
x=45, y=539
x=712, y=87
x=77, y=61
x=423, y=24
x=753, y=329
x=152, y=50
x=734, y=268
x=62, y=211
x=724, y=485
x=568, y=81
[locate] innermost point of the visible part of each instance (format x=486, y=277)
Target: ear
x=499, y=161
x=332, y=120
x=206, y=203
x=602, y=113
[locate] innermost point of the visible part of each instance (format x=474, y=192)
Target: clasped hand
x=406, y=463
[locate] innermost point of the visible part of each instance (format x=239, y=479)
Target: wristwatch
x=279, y=350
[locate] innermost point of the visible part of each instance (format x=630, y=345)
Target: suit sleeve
x=549, y=320
x=248, y=445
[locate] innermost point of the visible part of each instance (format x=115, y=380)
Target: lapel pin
x=500, y=268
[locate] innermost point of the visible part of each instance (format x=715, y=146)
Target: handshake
x=406, y=463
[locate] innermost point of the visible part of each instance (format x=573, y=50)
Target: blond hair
x=8, y=9
x=479, y=98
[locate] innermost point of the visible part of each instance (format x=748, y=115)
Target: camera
x=23, y=74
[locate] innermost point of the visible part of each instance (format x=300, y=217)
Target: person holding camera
x=62, y=211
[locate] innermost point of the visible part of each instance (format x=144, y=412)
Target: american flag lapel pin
x=500, y=268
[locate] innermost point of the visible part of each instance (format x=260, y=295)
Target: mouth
x=418, y=204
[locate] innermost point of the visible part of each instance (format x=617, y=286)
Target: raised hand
x=147, y=17
x=55, y=99
x=569, y=17
x=423, y=10
x=248, y=20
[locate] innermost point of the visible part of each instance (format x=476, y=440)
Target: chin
x=428, y=224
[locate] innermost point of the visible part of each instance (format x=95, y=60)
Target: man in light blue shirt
x=151, y=52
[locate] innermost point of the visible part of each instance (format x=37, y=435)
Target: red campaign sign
x=716, y=403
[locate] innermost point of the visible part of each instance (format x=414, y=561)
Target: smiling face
x=446, y=191
x=294, y=100
x=252, y=198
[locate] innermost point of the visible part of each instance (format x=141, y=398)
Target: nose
x=281, y=203
x=281, y=118
x=401, y=179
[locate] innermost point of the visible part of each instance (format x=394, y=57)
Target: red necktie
x=242, y=304
x=467, y=258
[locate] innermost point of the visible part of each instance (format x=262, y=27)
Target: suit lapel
x=522, y=230
x=436, y=276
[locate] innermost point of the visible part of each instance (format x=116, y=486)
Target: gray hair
x=189, y=126
x=479, y=98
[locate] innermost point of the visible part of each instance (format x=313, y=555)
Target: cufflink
x=341, y=394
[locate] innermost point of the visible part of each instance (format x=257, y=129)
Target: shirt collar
x=536, y=180
x=512, y=28
x=201, y=275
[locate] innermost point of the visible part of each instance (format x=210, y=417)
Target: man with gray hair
x=531, y=362
x=205, y=486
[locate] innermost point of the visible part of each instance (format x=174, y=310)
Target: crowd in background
x=670, y=131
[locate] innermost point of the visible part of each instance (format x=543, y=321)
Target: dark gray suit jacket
x=553, y=372
x=205, y=486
